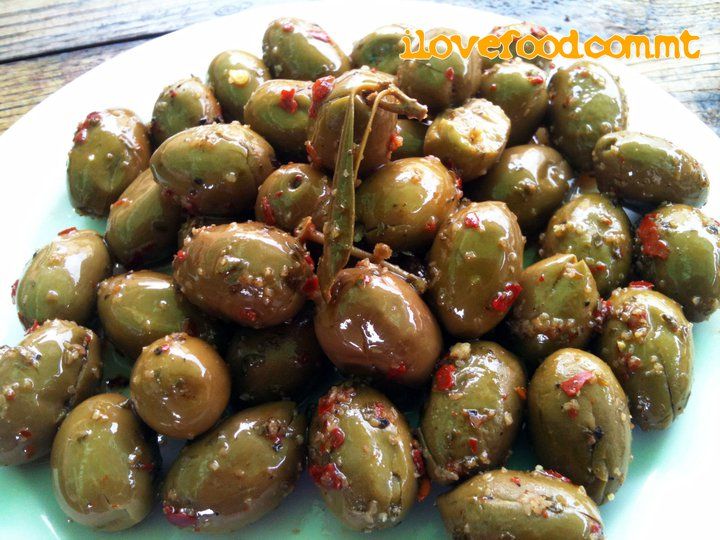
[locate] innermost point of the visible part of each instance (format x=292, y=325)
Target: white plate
x=670, y=492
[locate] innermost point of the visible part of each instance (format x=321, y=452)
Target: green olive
x=189, y=226
x=412, y=134
x=580, y=422
x=474, y=412
x=361, y=458
x=380, y=49
x=214, y=170
x=111, y=148
x=104, y=465
x=60, y=280
x=54, y=368
x=143, y=223
x=470, y=138
x=238, y=472
x=648, y=343
x=233, y=76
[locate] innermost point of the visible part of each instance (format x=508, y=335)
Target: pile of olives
x=331, y=239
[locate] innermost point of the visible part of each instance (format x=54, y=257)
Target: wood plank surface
x=44, y=44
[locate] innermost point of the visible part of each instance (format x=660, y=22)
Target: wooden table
x=46, y=43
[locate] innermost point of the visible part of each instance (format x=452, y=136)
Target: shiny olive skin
x=233, y=76
x=470, y=138
x=282, y=362
x=642, y=169
x=111, y=148
x=441, y=83
x=677, y=248
x=361, y=458
x=291, y=193
x=471, y=421
x=298, y=49
x=104, y=465
x=586, y=102
x=376, y=324
x=648, y=343
x=579, y=421
x=535, y=505
x=278, y=110
x=380, y=49
x=140, y=307
x=248, y=273
x=182, y=105
x=143, y=223
x=474, y=264
x=214, y=170
x=192, y=223
x=238, y=472
x=404, y=202
x=60, y=280
x=180, y=386
x=531, y=179
x=519, y=89
x=54, y=368
x=412, y=133
x=523, y=29
x=556, y=307
x=326, y=123
x=596, y=230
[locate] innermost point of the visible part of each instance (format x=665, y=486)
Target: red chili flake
x=650, y=242
x=25, y=433
x=173, y=93
x=541, y=278
x=431, y=225
x=35, y=325
x=165, y=347
x=572, y=412
x=536, y=79
x=181, y=255
x=522, y=392
x=287, y=27
x=310, y=262
x=328, y=476
x=119, y=202
x=319, y=33
x=395, y=372
x=80, y=135
x=418, y=461
x=554, y=474
x=311, y=286
x=445, y=377
x=574, y=384
x=632, y=363
x=450, y=74
x=320, y=90
x=515, y=480
x=379, y=410
x=336, y=438
x=458, y=181
x=67, y=231
x=13, y=290
x=326, y=404
x=493, y=87
x=504, y=299
x=247, y=314
x=148, y=467
x=599, y=267
x=600, y=314
x=473, y=443
x=394, y=142
x=9, y=394
x=313, y=156
x=595, y=527
x=179, y=518
x=424, y=489
x=640, y=285
x=267, y=210
x=471, y=221
x=288, y=101
x=29, y=451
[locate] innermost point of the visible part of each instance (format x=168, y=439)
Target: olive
x=248, y=273
x=182, y=105
x=189, y=226
x=278, y=110
x=474, y=412
x=556, y=307
x=411, y=133
x=519, y=89
x=380, y=49
x=404, y=202
x=361, y=458
x=291, y=193
x=580, y=422
x=298, y=49
x=282, y=362
x=238, y=472
x=233, y=76
x=140, y=307
x=642, y=169
x=470, y=138
x=677, y=248
x=60, y=280
x=586, y=102
x=594, y=229
x=524, y=505
x=438, y=82
x=523, y=29
x=104, y=465
x=180, y=386
x=110, y=148
x=376, y=324
x=55, y=367
x=648, y=343
x=214, y=170
x=531, y=179
x=474, y=264
x=143, y=223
